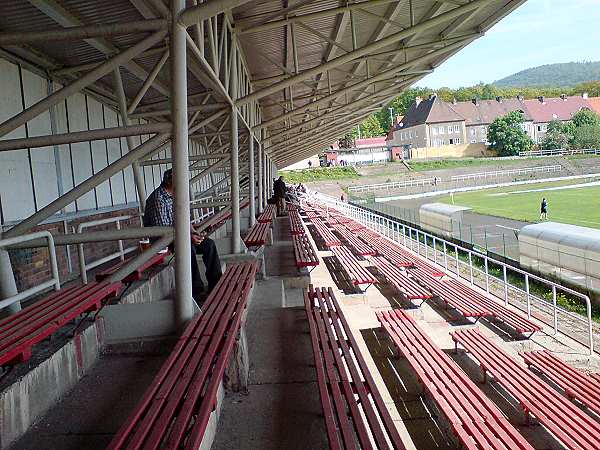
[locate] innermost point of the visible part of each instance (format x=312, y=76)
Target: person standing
x=159, y=213
x=279, y=189
x=544, y=209
x=310, y=164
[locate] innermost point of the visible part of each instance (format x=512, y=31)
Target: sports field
x=575, y=201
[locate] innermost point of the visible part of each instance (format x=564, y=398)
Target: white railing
x=559, y=152
x=54, y=281
x=403, y=234
x=83, y=267
x=506, y=173
x=391, y=185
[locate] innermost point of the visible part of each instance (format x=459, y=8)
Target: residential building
x=544, y=110
x=434, y=128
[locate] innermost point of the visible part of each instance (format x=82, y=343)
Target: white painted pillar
x=252, y=180
x=260, y=178
x=8, y=286
x=179, y=151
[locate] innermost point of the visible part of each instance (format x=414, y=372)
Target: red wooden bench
x=355, y=414
x=473, y=418
x=330, y=239
x=357, y=245
x=595, y=377
x=497, y=310
x=175, y=410
x=136, y=275
x=575, y=383
x=304, y=253
x=267, y=215
x=354, y=226
x=296, y=226
x=349, y=264
x=313, y=215
x=257, y=235
x=401, y=281
x=452, y=297
x=390, y=251
x=34, y=323
x=570, y=425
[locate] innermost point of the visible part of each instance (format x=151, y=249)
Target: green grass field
x=573, y=205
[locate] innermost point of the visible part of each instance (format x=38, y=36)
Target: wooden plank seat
x=475, y=421
x=175, y=409
x=451, y=297
x=330, y=239
x=354, y=226
x=570, y=425
x=401, y=280
x=498, y=311
x=355, y=414
x=313, y=215
x=20, y=332
x=595, y=377
x=267, y=215
x=356, y=244
x=304, y=253
x=296, y=226
x=257, y=235
x=357, y=274
x=576, y=384
x=292, y=207
x=390, y=252
x=137, y=274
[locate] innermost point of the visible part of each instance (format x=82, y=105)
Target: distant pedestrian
x=310, y=164
x=544, y=209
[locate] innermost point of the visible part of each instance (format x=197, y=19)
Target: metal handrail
x=54, y=281
x=83, y=267
x=388, y=226
x=507, y=172
x=391, y=185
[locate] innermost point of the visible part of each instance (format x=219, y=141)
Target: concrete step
x=281, y=409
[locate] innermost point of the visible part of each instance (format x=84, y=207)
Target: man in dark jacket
x=279, y=189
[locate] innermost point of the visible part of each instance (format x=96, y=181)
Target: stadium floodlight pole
x=252, y=205
x=209, y=8
x=137, y=171
x=362, y=51
x=104, y=69
x=179, y=151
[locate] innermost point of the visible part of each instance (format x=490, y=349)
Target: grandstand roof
x=309, y=70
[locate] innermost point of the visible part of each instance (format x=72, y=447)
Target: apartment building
x=435, y=124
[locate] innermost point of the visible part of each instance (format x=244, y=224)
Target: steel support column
x=235, y=185
x=137, y=171
x=260, y=178
x=179, y=150
x=8, y=286
x=252, y=205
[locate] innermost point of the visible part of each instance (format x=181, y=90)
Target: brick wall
x=32, y=266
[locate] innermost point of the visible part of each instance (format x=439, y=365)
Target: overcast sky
x=539, y=32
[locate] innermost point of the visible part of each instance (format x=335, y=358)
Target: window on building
x=410, y=134
x=473, y=131
x=441, y=130
x=449, y=129
x=434, y=131
x=456, y=128
x=457, y=140
x=451, y=141
x=473, y=141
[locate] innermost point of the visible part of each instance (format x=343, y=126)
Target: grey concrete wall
x=29, y=397
x=32, y=178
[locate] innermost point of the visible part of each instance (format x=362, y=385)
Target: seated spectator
x=159, y=213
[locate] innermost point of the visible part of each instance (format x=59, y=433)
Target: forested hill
x=558, y=75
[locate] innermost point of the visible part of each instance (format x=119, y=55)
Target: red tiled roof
x=370, y=142
x=555, y=108
x=486, y=111
x=595, y=104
